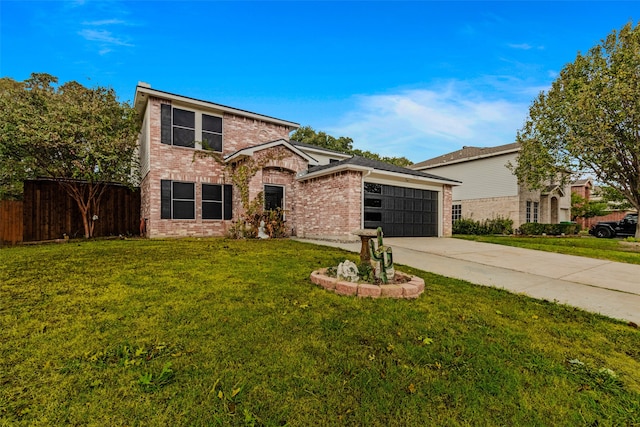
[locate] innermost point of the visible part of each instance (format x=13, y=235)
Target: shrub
x=246, y=227
x=537, y=229
x=497, y=225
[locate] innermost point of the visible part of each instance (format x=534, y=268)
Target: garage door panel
x=401, y=211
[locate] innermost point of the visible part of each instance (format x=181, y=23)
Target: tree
x=589, y=121
x=583, y=208
x=84, y=138
x=612, y=197
x=308, y=135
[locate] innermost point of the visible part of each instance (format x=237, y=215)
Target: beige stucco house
x=489, y=189
x=324, y=194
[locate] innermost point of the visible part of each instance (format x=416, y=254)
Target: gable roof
x=144, y=91
x=467, y=154
x=363, y=164
x=249, y=151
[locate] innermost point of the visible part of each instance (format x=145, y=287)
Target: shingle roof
x=579, y=182
x=316, y=147
x=376, y=164
x=466, y=154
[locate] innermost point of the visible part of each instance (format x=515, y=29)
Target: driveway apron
x=605, y=287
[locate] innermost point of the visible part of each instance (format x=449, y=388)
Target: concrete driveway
x=605, y=287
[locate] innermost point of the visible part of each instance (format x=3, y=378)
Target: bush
x=497, y=225
x=537, y=229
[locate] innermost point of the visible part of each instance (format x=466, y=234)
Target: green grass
x=219, y=332
x=609, y=249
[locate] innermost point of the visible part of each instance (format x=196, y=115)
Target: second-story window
x=184, y=128
x=191, y=129
x=211, y=132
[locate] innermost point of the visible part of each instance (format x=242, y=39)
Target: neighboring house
x=324, y=194
x=586, y=189
x=489, y=189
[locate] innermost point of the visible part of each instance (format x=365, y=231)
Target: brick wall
x=613, y=216
x=242, y=132
x=331, y=206
x=447, y=222
x=492, y=207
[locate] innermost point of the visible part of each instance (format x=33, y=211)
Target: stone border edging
x=409, y=290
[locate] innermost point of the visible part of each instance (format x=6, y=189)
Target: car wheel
x=603, y=233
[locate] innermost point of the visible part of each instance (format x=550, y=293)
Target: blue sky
x=414, y=79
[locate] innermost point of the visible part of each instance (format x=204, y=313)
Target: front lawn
x=610, y=249
x=221, y=332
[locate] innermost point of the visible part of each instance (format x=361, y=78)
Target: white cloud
x=523, y=46
x=103, y=36
x=104, y=22
x=103, y=25
x=425, y=123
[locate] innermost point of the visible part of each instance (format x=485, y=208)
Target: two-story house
x=324, y=194
x=489, y=188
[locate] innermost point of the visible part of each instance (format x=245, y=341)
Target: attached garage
x=341, y=197
x=401, y=211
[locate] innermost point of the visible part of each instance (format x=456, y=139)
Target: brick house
x=489, y=189
x=324, y=194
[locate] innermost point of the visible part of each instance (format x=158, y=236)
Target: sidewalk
x=605, y=287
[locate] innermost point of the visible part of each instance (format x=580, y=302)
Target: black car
x=625, y=227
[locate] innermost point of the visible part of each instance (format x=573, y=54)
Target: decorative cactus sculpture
x=384, y=256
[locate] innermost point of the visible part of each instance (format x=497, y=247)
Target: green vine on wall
x=240, y=174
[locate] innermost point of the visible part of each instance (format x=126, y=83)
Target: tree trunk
x=87, y=197
x=85, y=220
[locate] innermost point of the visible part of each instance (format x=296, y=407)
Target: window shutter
x=228, y=201
x=165, y=199
x=165, y=124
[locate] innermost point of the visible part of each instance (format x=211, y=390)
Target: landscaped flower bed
x=406, y=286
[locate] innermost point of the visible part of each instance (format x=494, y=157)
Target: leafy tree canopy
x=308, y=135
x=589, y=121
x=66, y=132
x=583, y=208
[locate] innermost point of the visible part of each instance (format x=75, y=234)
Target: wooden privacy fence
x=48, y=212
x=10, y=222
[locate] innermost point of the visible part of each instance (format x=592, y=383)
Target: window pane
x=212, y=192
x=184, y=118
x=212, y=123
x=372, y=188
x=184, y=137
x=183, y=209
x=373, y=216
x=211, y=141
x=373, y=203
x=183, y=190
x=211, y=210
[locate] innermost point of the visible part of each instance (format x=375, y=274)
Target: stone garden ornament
x=348, y=270
x=261, y=233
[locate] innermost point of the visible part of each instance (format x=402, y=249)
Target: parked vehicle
x=625, y=227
